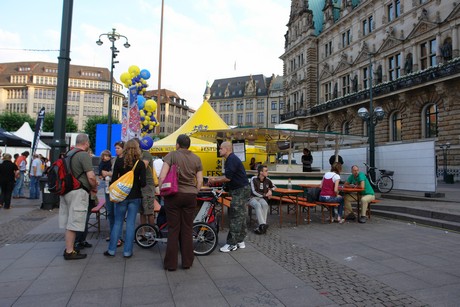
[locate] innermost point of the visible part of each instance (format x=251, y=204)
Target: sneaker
x=258, y=230
x=241, y=245
x=74, y=256
x=264, y=227
x=362, y=219
x=228, y=248
x=86, y=244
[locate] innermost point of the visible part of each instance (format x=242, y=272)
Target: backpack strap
x=70, y=156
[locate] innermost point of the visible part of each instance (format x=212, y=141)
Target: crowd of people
x=149, y=174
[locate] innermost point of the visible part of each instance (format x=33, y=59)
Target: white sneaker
x=228, y=248
x=241, y=245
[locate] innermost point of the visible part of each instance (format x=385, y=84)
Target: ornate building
x=26, y=87
x=410, y=51
x=252, y=100
x=174, y=111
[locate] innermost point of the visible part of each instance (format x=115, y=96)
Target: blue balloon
x=146, y=143
x=140, y=101
x=145, y=74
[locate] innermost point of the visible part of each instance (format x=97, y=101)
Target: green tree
x=48, y=123
x=11, y=121
x=90, y=127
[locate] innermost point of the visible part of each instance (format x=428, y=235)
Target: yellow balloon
x=148, y=114
x=150, y=105
x=124, y=77
x=134, y=70
x=141, y=113
x=151, y=126
x=143, y=81
x=145, y=122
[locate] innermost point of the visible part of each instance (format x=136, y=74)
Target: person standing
x=73, y=206
x=180, y=207
x=358, y=179
x=21, y=162
x=8, y=171
x=146, y=210
x=36, y=173
x=238, y=184
x=307, y=160
x=130, y=206
x=330, y=189
x=261, y=191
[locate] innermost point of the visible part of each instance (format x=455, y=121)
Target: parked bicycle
x=205, y=226
x=383, y=178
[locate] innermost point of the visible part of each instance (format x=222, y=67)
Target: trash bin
x=449, y=178
x=49, y=200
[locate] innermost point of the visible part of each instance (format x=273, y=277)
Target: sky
x=203, y=40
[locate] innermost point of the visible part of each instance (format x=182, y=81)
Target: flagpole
x=159, y=67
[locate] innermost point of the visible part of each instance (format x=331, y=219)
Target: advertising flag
x=38, y=129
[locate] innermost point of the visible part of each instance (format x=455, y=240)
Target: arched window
x=346, y=128
x=327, y=128
x=430, y=120
x=395, y=126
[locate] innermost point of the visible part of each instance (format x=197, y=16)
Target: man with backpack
x=74, y=204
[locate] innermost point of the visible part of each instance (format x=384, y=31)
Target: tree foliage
x=48, y=123
x=90, y=127
x=11, y=121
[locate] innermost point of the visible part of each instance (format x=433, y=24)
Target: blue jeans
x=34, y=187
x=338, y=199
x=130, y=208
x=19, y=185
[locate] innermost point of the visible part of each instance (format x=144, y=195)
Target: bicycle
x=384, y=181
x=205, y=226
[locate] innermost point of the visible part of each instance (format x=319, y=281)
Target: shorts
x=73, y=208
x=148, y=201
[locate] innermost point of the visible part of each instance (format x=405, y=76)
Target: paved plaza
x=380, y=263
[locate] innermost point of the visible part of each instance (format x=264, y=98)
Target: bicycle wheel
x=385, y=184
x=204, y=239
x=145, y=235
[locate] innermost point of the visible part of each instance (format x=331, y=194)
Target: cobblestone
x=342, y=285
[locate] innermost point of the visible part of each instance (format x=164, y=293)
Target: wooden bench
x=275, y=202
x=98, y=210
x=225, y=202
x=329, y=206
x=301, y=205
x=368, y=211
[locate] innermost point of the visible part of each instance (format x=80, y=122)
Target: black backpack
x=313, y=194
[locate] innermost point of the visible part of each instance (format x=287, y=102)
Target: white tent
x=27, y=133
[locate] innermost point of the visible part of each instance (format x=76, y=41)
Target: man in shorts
x=73, y=206
x=146, y=210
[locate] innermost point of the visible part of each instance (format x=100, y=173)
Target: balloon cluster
x=147, y=107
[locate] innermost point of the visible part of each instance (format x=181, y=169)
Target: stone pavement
x=380, y=263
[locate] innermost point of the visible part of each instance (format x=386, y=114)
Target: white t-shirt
x=158, y=164
x=37, y=163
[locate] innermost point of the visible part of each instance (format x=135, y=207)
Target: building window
x=260, y=104
x=395, y=126
x=394, y=10
x=249, y=105
x=431, y=121
x=366, y=77
x=346, y=38
x=274, y=119
x=260, y=117
x=274, y=105
x=394, y=66
x=249, y=119
x=239, y=119
x=327, y=128
x=345, y=85
x=327, y=91
x=328, y=49
x=367, y=25
x=428, y=54
x=346, y=128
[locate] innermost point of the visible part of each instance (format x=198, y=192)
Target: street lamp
x=372, y=117
x=445, y=147
x=113, y=37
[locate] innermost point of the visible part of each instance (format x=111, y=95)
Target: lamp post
x=445, y=147
x=113, y=37
x=371, y=117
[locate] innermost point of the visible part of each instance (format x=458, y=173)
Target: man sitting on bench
x=261, y=190
x=358, y=179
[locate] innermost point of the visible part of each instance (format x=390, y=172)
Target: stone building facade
x=253, y=100
x=26, y=87
x=408, y=49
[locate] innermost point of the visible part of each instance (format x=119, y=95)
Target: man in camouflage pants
x=238, y=184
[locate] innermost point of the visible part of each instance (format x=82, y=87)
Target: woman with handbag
x=9, y=173
x=180, y=206
x=130, y=161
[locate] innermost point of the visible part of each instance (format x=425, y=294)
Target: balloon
x=140, y=101
x=134, y=70
x=146, y=142
x=150, y=105
x=145, y=74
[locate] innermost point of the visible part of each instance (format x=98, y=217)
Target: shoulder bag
x=170, y=185
x=120, y=189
